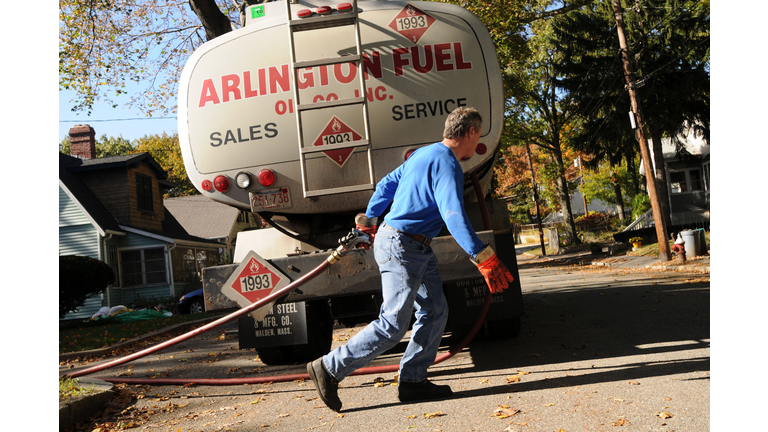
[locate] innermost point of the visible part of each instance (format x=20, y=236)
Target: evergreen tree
x=669, y=40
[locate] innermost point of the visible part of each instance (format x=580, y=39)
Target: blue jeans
x=409, y=280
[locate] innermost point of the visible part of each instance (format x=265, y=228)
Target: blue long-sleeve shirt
x=427, y=193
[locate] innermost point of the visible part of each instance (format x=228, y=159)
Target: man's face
x=472, y=139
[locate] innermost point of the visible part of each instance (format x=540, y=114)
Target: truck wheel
x=319, y=332
x=504, y=328
x=275, y=355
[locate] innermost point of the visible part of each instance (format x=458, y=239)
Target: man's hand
x=367, y=226
x=496, y=274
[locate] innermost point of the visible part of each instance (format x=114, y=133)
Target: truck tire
x=319, y=338
x=319, y=332
x=504, y=328
x=275, y=355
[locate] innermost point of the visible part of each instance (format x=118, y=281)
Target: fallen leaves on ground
x=433, y=415
x=664, y=414
x=504, y=411
x=621, y=422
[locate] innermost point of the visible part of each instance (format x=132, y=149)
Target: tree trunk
x=661, y=175
x=214, y=21
x=565, y=198
x=619, y=197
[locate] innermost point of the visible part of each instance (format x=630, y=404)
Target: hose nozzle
x=348, y=243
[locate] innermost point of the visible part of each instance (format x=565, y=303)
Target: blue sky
x=121, y=121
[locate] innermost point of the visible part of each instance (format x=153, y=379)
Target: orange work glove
x=496, y=274
x=366, y=225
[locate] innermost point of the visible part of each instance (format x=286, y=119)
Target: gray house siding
x=77, y=236
x=126, y=294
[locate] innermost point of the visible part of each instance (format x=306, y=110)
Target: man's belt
x=418, y=237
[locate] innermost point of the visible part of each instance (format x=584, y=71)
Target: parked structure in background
x=112, y=209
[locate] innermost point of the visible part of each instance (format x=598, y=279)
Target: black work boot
x=422, y=391
x=326, y=385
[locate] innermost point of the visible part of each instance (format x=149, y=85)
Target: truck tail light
x=221, y=183
x=267, y=177
x=304, y=13
x=344, y=7
x=207, y=185
x=243, y=180
x=409, y=153
x=324, y=10
x=481, y=149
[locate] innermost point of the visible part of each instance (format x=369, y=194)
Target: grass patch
x=88, y=335
x=69, y=387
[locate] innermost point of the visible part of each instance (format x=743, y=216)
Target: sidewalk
x=699, y=264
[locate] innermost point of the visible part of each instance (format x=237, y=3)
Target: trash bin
x=702, y=242
x=691, y=239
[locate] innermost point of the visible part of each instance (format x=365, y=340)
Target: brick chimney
x=82, y=142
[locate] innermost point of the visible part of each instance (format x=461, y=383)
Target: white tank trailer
x=296, y=117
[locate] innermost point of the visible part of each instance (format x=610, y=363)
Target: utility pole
x=658, y=217
x=583, y=192
x=536, y=200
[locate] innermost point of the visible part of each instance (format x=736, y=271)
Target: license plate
x=271, y=199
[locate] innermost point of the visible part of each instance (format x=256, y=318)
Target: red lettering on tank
x=248, y=89
x=372, y=65
x=460, y=63
x=281, y=78
x=338, y=73
x=442, y=58
x=208, y=94
x=400, y=59
x=230, y=86
x=416, y=54
x=306, y=79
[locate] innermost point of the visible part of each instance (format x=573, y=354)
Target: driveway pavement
x=606, y=345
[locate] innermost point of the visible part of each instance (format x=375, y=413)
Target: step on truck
x=298, y=114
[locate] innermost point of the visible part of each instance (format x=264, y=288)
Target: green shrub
x=80, y=277
x=641, y=203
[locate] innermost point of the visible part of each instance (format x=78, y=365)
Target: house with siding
x=688, y=176
x=203, y=217
x=111, y=209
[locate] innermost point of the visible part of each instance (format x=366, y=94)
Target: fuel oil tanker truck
x=297, y=115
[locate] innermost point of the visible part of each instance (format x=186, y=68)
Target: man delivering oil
x=426, y=193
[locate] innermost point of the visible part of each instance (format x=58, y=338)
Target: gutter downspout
x=170, y=269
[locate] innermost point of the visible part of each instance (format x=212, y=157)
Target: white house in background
x=688, y=179
x=577, y=206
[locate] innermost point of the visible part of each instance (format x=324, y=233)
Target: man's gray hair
x=460, y=120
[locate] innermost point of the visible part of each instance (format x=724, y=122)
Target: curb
x=183, y=327
x=79, y=408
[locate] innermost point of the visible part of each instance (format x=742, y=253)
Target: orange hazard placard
x=253, y=280
x=336, y=132
x=412, y=23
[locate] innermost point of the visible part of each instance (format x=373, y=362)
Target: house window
x=677, y=182
x=188, y=263
x=696, y=180
x=143, y=267
x=144, y=193
x=686, y=181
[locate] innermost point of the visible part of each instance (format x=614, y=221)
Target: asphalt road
x=601, y=349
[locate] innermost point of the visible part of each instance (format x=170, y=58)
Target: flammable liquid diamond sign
x=337, y=132
x=253, y=280
x=412, y=23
